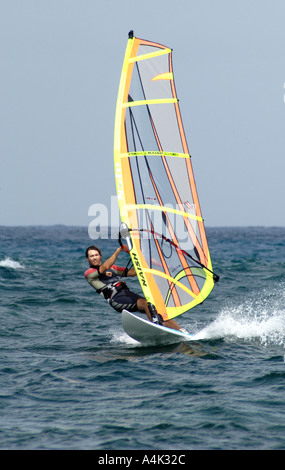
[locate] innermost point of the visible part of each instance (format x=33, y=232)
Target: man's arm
x=110, y=261
x=131, y=272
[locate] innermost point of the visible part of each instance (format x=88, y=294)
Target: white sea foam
x=122, y=337
x=10, y=263
x=227, y=325
x=262, y=319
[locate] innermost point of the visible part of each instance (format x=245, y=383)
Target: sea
x=72, y=379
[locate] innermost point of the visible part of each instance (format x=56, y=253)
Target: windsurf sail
x=156, y=190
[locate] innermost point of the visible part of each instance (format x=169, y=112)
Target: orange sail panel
x=156, y=189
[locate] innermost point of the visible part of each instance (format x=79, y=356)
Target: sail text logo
x=139, y=270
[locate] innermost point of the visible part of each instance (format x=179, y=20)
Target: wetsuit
x=112, y=288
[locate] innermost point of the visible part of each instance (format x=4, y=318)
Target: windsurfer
x=106, y=279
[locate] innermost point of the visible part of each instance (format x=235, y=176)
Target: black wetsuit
x=112, y=288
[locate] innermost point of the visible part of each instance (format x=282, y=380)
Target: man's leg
x=144, y=307
x=171, y=324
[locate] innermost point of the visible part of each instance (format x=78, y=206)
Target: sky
x=61, y=62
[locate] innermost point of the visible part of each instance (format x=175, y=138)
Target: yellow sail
x=156, y=189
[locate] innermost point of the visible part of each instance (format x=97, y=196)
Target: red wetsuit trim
x=118, y=268
x=89, y=271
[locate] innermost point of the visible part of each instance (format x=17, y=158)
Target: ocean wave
x=11, y=264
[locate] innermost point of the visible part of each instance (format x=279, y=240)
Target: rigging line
x=159, y=146
x=155, y=134
x=215, y=276
x=125, y=272
x=188, y=226
x=145, y=156
x=166, y=166
x=193, y=281
x=156, y=137
x=167, y=221
x=149, y=113
x=188, y=164
x=134, y=129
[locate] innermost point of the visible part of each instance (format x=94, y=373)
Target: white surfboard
x=150, y=333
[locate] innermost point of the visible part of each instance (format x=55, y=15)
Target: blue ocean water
x=72, y=379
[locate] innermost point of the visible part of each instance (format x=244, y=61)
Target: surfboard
x=146, y=332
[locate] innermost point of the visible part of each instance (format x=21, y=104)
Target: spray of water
x=260, y=317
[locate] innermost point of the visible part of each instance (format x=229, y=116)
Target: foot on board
x=156, y=318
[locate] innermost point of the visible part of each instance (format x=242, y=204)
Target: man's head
x=94, y=255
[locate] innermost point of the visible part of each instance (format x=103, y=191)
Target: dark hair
x=93, y=247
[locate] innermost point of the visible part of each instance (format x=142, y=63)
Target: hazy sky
x=60, y=68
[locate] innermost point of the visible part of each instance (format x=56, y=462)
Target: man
x=105, y=278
